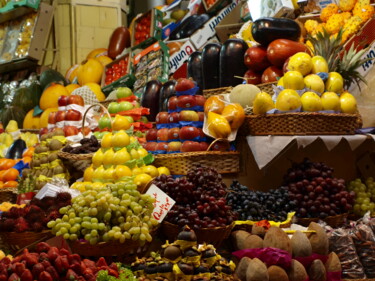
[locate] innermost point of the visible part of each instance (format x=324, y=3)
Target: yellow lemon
x=120, y=123
x=98, y=174
x=300, y=62
x=109, y=174
x=314, y=82
x=150, y=170
x=164, y=171
x=136, y=171
x=311, y=102
x=87, y=175
x=107, y=140
x=142, y=180
x=319, y=64
x=97, y=158
x=330, y=101
x=262, y=103
x=120, y=139
x=280, y=82
x=288, y=100
x=142, y=152
x=334, y=83
x=122, y=171
x=121, y=157
x=108, y=156
x=348, y=103
x=293, y=80
x=134, y=154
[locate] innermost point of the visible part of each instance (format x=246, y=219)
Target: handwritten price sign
x=163, y=203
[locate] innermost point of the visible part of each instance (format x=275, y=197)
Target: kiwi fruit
x=38, y=173
x=44, y=137
x=55, y=145
x=49, y=174
x=38, y=149
x=36, y=163
x=44, y=171
x=52, y=157
x=44, y=160
x=58, y=132
x=26, y=172
x=58, y=170
x=49, y=135
x=44, y=148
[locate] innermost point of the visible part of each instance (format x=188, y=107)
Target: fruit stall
x=196, y=140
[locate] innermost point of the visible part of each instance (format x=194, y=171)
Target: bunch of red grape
x=200, y=199
x=315, y=192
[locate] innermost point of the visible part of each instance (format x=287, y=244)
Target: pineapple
x=363, y=2
x=346, y=16
x=351, y=27
x=334, y=23
x=346, y=5
x=328, y=11
x=366, y=12
x=311, y=26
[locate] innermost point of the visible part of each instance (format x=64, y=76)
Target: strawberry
x=31, y=260
x=3, y=277
x=42, y=247
x=19, y=268
x=14, y=277
x=64, y=252
x=53, y=253
x=46, y=264
x=74, y=259
x=43, y=257
x=26, y=275
x=101, y=262
x=37, y=269
x=71, y=275
x=52, y=271
x=45, y=276
x=76, y=268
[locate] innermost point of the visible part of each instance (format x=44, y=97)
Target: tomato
x=109, y=71
x=121, y=63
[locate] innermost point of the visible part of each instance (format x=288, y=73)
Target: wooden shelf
x=15, y=13
x=18, y=65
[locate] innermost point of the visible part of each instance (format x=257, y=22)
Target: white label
x=163, y=203
x=52, y=190
x=178, y=59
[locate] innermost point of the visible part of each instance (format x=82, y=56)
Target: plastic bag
x=341, y=243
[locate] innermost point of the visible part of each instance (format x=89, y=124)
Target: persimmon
x=26, y=159
x=10, y=175
x=10, y=184
x=9, y=164
x=28, y=152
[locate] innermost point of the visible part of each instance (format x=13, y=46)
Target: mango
x=218, y=126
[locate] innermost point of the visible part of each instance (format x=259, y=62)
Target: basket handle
x=219, y=140
x=91, y=106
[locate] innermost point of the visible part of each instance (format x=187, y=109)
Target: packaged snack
x=25, y=36
x=154, y=54
x=154, y=63
x=11, y=41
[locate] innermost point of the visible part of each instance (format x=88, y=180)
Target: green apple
x=130, y=119
x=113, y=107
x=124, y=106
x=98, y=135
x=144, y=119
x=104, y=122
x=123, y=92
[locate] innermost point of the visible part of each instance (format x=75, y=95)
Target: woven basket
x=75, y=163
x=33, y=131
x=8, y=195
x=214, y=236
x=266, y=87
x=333, y=221
x=17, y=241
x=106, y=102
x=302, y=123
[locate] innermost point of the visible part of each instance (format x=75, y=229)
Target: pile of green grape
x=115, y=212
x=365, y=195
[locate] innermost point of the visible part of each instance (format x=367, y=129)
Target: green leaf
x=149, y=158
x=37, y=111
x=131, y=163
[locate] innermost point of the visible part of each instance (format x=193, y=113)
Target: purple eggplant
x=150, y=98
x=166, y=91
x=194, y=68
x=211, y=65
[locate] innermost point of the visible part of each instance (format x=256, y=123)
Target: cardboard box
x=176, y=5
x=201, y=36
x=231, y=24
x=178, y=58
x=218, y=5
x=155, y=32
x=271, y=8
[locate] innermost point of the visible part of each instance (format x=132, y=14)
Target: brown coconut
x=241, y=268
x=319, y=239
x=333, y=263
x=256, y=271
x=297, y=272
x=277, y=238
x=301, y=246
x=276, y=273
x=317, y=271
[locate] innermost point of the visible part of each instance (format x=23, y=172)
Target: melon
x=31, y=121
x=51, y=76
x=43, y=121
x=51, y=95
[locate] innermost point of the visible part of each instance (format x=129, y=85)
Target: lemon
x=122, y=171
x=150, y=170
x=319, y=64
x=108, y=174
x=334, y=83
x=280, y=82
x=120, y=123
x=87, y=175
x=262, y=103
x=98, y=174
x=288, y=100
x=121, y=157
x=293, y=80
x=133, y=139
x=348, y=103
x=142, y=180
x=300, y=62
x=134, y=154
x=107, y=157
x=136, y=171
x=107, y=140
x=120, y=139
x=97, y=158
x=311, y=102
x=314, y=82
x=142, y=152
x=164, y=171
x=330, y=101
x=97, y=185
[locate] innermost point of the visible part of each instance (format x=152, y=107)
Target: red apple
x=70, y=131
x=256, y=58
x=186, y=101
x=200, y=100
x=162, y=134
x=85, y=131
x=189, y=146
x=271, y=74
x=162, y=118
x=63, y=101
x=60, y=116
x=189, y=133
x=73, y=115
x=76, y=99
x=150, y=146
x=52, y=118
x=172, y=103
x=43, y=131
x=174, y=146
x=173, y=134
x=174, y=117
x=253, y=77
x=189, y=115
x=184, y=84
x=219, y=146
x=201, y=116
x=163, y=146
x=203, y=146
x=201, y=134
x=151, y=135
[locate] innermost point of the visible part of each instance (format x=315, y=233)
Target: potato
x=277, y=238
x=319, y=240
x=276, y=273
x=301, y=246
x=256, y=271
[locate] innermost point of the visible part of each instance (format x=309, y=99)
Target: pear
x=263, y=102
x=11, y=127
x=177, y=15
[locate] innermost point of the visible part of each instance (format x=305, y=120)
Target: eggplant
x=166, y=91
x=16, y=149
x=120, y=39
x=194, y=68
x=232, y=62
x=189, y=26
x=210, y=65
x=266, y=30
x=150, y=98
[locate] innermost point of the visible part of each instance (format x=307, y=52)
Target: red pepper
x=53, y=253
x=74, y=259
x=19, y=268
x=14, y=277
x=37, y=269
x=101, y=262
x=64, y=252
x=52, y=271
x=42, y=247
x=45, y=276
x=27, y=276
x=71, y=275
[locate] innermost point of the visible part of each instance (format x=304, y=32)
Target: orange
x=10, y=184
x=1, y=184
x=7, y=164
x=235, y=115
x=28, y=152
x=26, y=159
x=10, y=175
x=2, y=174
x=2, y=162
x=214, y=104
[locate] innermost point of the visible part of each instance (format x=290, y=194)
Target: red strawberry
x=43, y=257
x=19, y=268
x=71, y=275
x=45, y=276
x=101, y=262
x=37, y=269
x=46, y=263
x=64, y=252
x=3, y=277
x=53, y=253
x=14, y=277
x=27, y=276
x=52, y=271
x=74, y=259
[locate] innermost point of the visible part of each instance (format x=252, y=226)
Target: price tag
x=163, y=203
x=51, y=190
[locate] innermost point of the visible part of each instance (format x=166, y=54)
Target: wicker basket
x=333, y=221
x=17, y=241
x=266, y=87
x=302, y=123
x=8, y=195
x=32, y=131
x=214, y=236
x=75, y=163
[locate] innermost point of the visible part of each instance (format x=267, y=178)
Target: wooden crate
x=84, y=25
